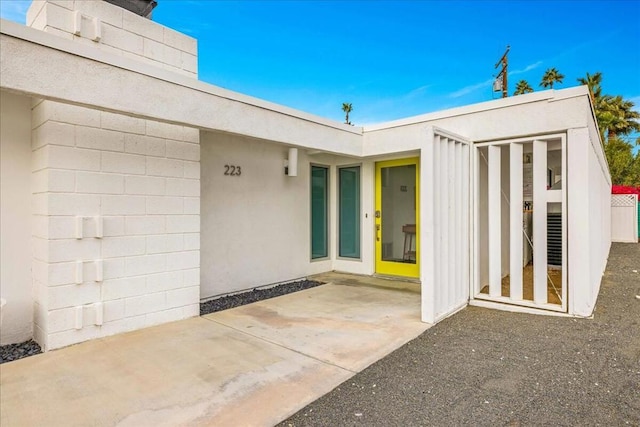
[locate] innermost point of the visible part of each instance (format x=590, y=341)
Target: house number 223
x=232, y=170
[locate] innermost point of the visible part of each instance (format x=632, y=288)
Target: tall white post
x=494, y=209
x=540, y=222
x=515, y=221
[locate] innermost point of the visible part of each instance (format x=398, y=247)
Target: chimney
x=139, y=7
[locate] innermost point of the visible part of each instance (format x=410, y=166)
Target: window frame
x=327, y=224
x=358, y=212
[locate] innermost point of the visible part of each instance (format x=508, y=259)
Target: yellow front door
x=397, y=218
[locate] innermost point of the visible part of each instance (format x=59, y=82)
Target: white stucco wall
x=15, y=218
x=255, y=226
x=589, y=218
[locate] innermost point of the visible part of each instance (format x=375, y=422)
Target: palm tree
x=347, y=108
x=593, y=82
x=523, y=87
x=550, y=77
x=616, y=116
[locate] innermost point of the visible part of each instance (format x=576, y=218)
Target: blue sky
x=397, y=59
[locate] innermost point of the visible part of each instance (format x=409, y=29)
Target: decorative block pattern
x=116, y=223
x=115, y=30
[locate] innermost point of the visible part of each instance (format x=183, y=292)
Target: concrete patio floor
x=254, y=365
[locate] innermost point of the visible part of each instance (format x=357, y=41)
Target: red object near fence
x=624, y=189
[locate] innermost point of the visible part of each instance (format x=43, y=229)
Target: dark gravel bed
x=236, y=300
x=11, y=352
x=485, y=367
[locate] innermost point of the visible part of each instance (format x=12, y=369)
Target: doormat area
x=255, y=295
x=11, y=352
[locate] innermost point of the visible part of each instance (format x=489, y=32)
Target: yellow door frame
x=391, y=268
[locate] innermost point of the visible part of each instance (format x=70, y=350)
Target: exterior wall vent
x=554, y=239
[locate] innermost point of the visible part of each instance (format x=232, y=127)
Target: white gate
x=445, y=224
x=520, y=223
x=624, y=218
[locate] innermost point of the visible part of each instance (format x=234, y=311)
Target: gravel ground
x=236, y=300
x=485, y=367
x=13, y=352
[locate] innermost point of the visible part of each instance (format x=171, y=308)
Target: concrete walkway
x=250, y=366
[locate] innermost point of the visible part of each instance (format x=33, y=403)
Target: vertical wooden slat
x=444, y=225
x=427, y=229
x=475, y=260
x=515, y=221
x=451, y=286
x=466, y=235
x=539, y=222
x=457, y=294
x=437, y=201
x=494, y=209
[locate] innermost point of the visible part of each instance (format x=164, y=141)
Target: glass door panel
x=397, y=214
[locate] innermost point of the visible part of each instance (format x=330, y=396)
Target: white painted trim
x=521, y=309
x=475, y=224
x=565, y=224
x=451, y=312
x=542, y=137
x=32, y=35
x=547, y=95
x=447, y=134
x=523, y=303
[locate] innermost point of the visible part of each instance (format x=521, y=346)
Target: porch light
x=291, y=164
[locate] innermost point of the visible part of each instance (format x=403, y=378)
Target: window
x=319, y=212
x=349, y=213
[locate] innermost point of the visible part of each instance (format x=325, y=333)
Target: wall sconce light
x=291, y=164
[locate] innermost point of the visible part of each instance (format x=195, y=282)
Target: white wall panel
x=444, y=217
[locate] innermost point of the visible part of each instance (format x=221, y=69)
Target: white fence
x=624, y=218
x=444, y=172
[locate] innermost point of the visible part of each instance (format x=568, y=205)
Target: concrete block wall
x=116, y=234
x=130, y=187
x=118, y=31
